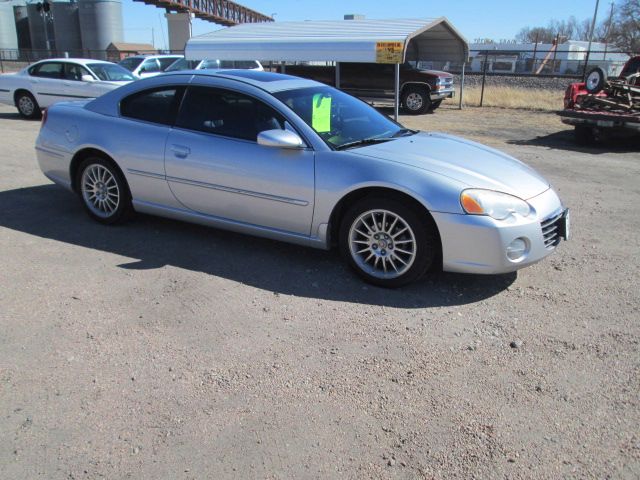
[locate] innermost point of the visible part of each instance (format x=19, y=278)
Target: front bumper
x=478, y=244
x=442, y=94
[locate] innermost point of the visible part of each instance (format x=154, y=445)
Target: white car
x=49, y=81
x=184, y=64
x=144, y=66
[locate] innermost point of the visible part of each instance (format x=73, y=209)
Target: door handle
x=180, y=151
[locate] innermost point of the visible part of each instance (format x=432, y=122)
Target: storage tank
x=8, y=35
x=100, y=23
x=66, y=26
x=22, y=27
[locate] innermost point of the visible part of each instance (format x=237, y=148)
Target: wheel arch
x=406, y=85
x=82, y=155
x=359, y=193
x=19, y=90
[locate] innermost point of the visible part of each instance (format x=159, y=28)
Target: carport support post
x=461, y=87
x=396, y=105
x=337, y=74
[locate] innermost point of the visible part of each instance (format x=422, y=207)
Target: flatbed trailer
x=590, y=124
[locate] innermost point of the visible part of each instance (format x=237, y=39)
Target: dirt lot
x=159, y=349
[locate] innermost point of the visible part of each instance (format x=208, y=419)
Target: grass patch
x=515, y=97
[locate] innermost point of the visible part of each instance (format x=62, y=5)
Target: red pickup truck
x=421, y=90
x=601, y=106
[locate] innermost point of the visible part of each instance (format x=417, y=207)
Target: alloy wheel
x=100, y=190
x=382, y=244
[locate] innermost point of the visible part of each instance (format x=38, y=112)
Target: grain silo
x=100, y=23
x=66, y=27
x=8, y=36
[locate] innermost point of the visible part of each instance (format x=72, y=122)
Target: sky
x=496, y=19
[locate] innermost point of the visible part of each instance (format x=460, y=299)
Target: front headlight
x=494, y=204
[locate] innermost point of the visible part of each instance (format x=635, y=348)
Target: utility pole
x=593, y=27
x=606, y=40
x=44, y=8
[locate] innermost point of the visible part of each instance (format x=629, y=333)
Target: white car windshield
x=110, y=72
x=340, y=119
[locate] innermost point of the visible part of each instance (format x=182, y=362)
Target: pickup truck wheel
x=415, y=100
x=596, y=80
x=387, y=242
x=27, y=106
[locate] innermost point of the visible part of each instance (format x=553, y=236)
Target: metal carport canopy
x=365, y=41
x=337, y=41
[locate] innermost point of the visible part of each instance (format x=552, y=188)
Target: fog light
x=518, y=249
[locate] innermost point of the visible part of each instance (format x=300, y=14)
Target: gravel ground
x=520, y=81
x=159, y=349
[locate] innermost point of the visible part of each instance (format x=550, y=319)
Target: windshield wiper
x=364, y=141
x=404, y=132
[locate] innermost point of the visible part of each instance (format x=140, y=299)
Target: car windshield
x=182, y=64
x=110, y=72
x=131, y=63
x=340, y=119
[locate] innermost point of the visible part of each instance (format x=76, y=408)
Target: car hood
x=470, y=163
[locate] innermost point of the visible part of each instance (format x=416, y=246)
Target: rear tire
x=103, y=190
x=27, y=106
x=416, y=100
x=388, y=242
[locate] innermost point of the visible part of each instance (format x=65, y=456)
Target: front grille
x=551, y=230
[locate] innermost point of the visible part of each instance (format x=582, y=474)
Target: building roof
x=339, y=40
x=131, y=47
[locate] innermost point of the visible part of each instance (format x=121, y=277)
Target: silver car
x=295, y=160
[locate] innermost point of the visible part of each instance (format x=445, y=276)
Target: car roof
x=155, y=56
x=82, y=61
x=268, y=81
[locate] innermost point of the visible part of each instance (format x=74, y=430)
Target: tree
x=625, y=29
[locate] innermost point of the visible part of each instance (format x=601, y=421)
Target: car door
x=215, y=166
x=367, y=79
x=75, y=87
x=138, y=140
x=47, y=83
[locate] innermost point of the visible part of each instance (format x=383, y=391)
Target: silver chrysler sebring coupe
x=295, y=160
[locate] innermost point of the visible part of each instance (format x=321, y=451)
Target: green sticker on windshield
x=321, y=114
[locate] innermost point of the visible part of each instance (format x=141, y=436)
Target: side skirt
x=150, y=208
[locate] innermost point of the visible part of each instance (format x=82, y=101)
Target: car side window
x=226, y=113
x=73, y=71
x=165, y=62
x=47, y=70
x=157, y=105
x=150, y=65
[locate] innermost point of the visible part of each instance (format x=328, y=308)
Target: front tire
x=416, y=100
x=27, y=106
x=104, y=191
x=388, y=242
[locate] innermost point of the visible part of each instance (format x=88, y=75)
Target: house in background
x=116, y=51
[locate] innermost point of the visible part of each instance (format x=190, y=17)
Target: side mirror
x=88, y=78
x=280, y=139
